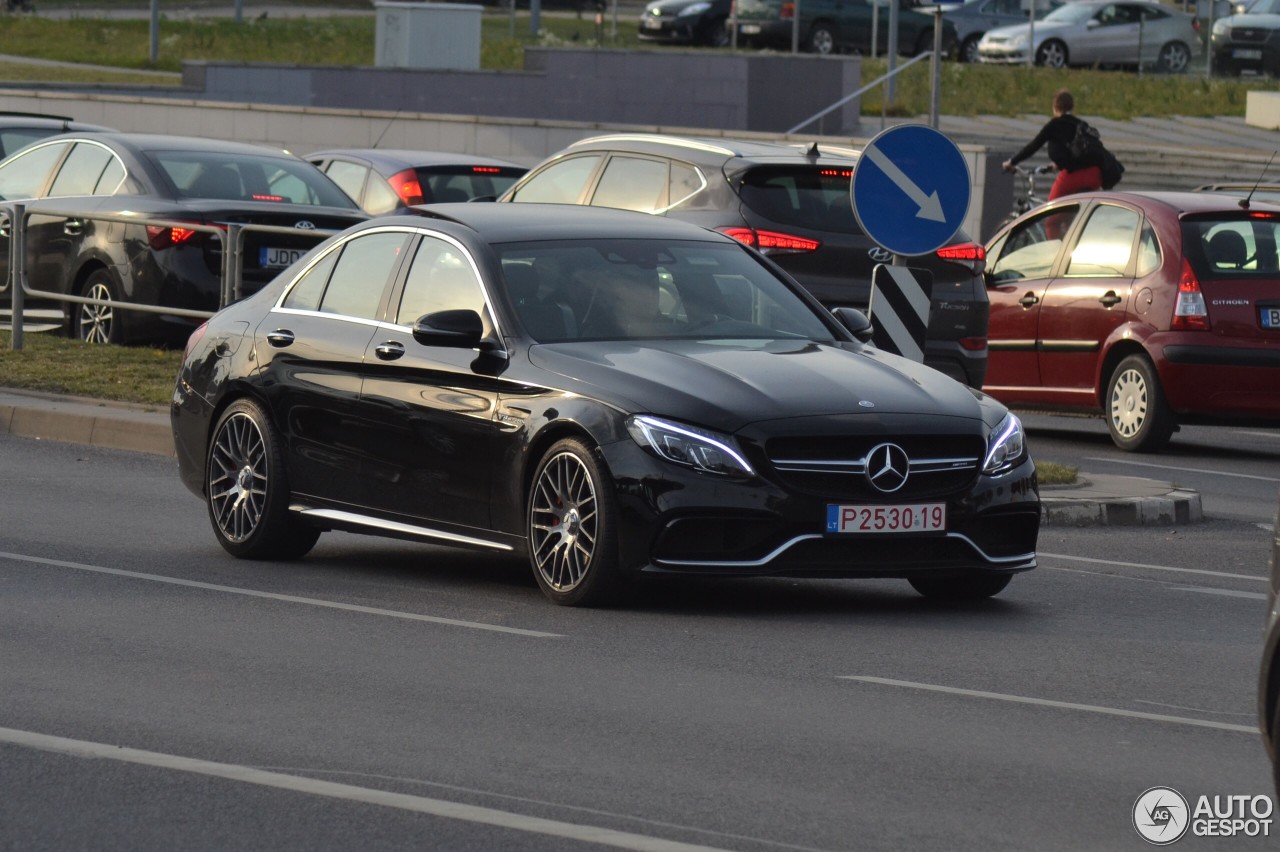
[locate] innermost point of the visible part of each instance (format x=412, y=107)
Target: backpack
x=1087, y=150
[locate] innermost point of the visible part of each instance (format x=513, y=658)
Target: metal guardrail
x=231, y=236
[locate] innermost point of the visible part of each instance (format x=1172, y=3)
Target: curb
x=1166, y=506
x=79, y=420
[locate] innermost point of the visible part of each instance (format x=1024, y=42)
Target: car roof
x=399, y=158
x=714, y=152
x=167, y=142
x=1184, y=202
x=499, y=223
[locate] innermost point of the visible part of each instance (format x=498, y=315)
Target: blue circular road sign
x=910, y=189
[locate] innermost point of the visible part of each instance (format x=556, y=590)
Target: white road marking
x=347, y=792
x=232, y=590
x=1061, y=705
x=1275, y=435
x=1153, y=567
x=1226, y=593
x=1184, y=469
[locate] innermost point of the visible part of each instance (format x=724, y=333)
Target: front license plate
x=1270, y=317
x=278, y=258
x=652, y=24
x=1240, y=53
x=749, y=29
x=918, y=517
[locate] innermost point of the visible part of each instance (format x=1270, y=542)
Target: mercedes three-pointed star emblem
x=887, y=467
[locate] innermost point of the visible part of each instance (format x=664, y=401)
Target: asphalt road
x=155, y=693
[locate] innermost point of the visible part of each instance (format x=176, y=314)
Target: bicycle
x=1026, y=198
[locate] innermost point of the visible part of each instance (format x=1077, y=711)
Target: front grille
x=836, y=467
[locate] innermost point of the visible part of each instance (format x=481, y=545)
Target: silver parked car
x=974, y=18
x=1102, y=33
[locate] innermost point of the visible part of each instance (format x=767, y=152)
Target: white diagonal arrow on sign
x=930, y=206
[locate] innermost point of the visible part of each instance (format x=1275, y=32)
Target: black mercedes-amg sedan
x=126, y=218
x=606, y=392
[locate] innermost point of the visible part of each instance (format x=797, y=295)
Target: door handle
x=280, y=338
x=389, y=350
x=73, y=227
x=1029, y=300
x=1109, y=299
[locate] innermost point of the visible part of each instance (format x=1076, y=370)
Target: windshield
x=245, y=177
x=1263, y=7
x=1071, y=13
x=647, y=289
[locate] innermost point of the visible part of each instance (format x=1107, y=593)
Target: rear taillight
x=1189, y=312
x=160, y=237
x=788, y=11
x=485, y=170
x=963, y=253
x=770, y=242
x=973, y=344
x=406, y=185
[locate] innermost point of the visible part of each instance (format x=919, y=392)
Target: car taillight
x=161, y=237
x=1189, y=312
x=406, y=185
x=963, y=253
x=485, y=170
x=771, y=241
x=788, y=11
x=973, y=344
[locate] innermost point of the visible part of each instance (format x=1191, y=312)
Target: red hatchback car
x=1153, y=308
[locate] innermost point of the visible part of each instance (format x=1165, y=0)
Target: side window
x=1030, y=249
x=23, y=176
x=349, y=177
x=360, y=276
x=633, y=183
x=440, y=279
x=112, y=178
x=1105, y=244
x=685, y=182
x=380, y=197
x=1148, y=252
x=559, y=183
x=306, y=291
x=81, y=171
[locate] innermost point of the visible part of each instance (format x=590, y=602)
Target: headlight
x=1018, y=41
x=1221, y=27
x=695, y=9
x=700, y=449
x=1006, y=447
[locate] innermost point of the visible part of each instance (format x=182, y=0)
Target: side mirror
x=857, y=323
x=455, y=329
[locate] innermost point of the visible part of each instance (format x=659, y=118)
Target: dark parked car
x=1269, y=680
x=604, y=392
x=76, y=177
x=836, y=26
x=686, y=22
x=1249, y=41
x=20, y=129
x=789, y=201
x=381, y=181
x=1152, y=308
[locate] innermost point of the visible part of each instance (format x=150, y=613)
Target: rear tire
x=98, y=323
x=1137, y=415
x=969, y=50
x=247, y=488
x=970, y=588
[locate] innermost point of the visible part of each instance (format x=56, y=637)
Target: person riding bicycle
x=1073, y=176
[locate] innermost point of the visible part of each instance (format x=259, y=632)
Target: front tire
x=1052, y=54
x=98, y=323
x=247, y=488
x=573, y=540
x=1138, y=417
x=714, y=34
x=971, y=588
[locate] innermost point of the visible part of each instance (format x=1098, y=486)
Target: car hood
x=726, y=385
x=670, y=7
x=1259, y=22
x=1043, y=28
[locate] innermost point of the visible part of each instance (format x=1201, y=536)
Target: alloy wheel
x=238, y=477
x=96, y=320
x=563, y=522
x=1174, y=58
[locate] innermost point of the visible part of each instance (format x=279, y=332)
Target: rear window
x=242, y=177
x=1235, y=246
x=462, y=183
x=814, y=197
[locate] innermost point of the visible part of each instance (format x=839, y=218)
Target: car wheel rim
x=95, y=320
x=1053, y=57
x=822, y=42
x=970, y=50
x=563, y=522
x=1175, y=59
x=238, y=477
x=1129, y=403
